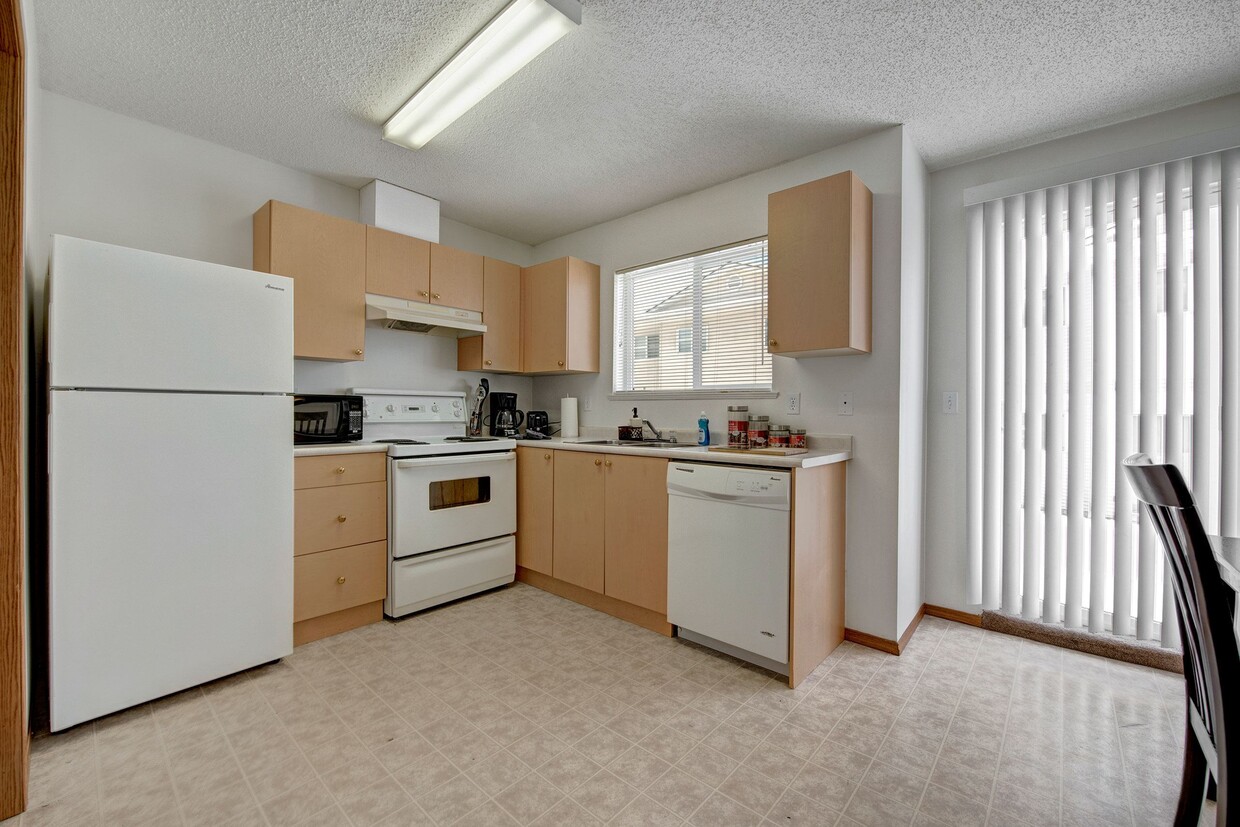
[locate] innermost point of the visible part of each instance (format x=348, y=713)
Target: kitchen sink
x=616, y=443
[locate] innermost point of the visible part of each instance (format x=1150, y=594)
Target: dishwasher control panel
x=755, y=486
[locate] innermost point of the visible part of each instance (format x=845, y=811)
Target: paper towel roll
x=568, y=417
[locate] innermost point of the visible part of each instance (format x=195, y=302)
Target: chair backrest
x=1204, y=603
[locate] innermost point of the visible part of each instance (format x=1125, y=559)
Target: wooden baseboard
x=645, y=618
x=953, y=614
x=882, y=644
x=912, y=627
x=316, y=628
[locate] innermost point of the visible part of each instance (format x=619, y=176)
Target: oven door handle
x=457, y=459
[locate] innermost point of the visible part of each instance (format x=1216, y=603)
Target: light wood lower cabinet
x=339, y=543
x=635, y=531
x=577, y=517
x=535, y=482
x=592, y=527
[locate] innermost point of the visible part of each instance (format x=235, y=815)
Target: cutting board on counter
x=777, y=452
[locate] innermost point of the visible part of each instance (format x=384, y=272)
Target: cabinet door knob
x=773, y=343
x=598, y=462
x=423, y=293
x=340, y=580
x=487, y=362
x=340, y=470
x=435, y=296
x=546, y=456
x=607, y=463
x=340, y=518
x=358, y=351
x=561, y=364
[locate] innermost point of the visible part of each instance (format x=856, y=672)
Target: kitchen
x=562, y=698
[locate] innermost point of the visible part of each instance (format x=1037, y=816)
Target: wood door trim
x=14, y=734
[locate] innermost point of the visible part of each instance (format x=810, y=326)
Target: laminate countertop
x=826, y=450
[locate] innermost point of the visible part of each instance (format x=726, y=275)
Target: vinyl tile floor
x=517, y=707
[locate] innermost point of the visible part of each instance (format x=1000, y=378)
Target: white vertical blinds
x=1103, y=318
x=694, y=323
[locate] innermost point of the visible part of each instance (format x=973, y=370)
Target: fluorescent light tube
x=512, y=39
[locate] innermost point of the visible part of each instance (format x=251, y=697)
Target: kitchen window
x=721, y=290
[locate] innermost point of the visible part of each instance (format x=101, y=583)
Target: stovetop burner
x=471, y=439
x=399, y=442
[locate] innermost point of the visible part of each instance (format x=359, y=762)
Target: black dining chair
x=1205, y=608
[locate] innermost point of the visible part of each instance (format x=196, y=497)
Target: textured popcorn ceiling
x=646, y=100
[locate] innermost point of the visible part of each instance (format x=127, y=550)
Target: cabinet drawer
x=344, y=515
x=339, y=469
x=329, y=581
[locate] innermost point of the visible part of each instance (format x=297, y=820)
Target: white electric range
x=452, y=499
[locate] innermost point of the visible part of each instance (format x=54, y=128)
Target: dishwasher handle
x=690, y=493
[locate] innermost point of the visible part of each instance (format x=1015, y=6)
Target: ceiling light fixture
x=517, y=35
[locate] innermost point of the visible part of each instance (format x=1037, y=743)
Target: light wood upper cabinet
x=326, y=258
x=535, y=487
x=635, y=531
x=397, y=265
x=819, y=240
x=577, y=519
x=499, y=349
x=559, y=317
x=456, y=278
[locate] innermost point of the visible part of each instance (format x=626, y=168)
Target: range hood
x=420, y=317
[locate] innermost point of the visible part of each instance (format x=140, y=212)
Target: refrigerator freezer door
x=123, y=318
x=171, y=544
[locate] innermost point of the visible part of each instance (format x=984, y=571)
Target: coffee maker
x=505, y=420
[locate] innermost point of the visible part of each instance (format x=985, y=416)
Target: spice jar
x=796, y=438
x=738, y=426
x=759, y=428
x=780, y=436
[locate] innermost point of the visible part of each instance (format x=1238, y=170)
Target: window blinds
x=1103, y=318
x=694, y=323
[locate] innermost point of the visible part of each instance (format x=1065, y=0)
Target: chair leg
x=1193, y=784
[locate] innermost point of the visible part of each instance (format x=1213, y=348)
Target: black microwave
x=326, y=418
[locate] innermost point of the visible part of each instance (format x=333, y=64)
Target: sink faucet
x=658, y=435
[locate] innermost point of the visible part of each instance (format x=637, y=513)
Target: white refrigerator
x=170, y=475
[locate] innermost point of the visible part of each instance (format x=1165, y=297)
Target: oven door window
x=460, y=492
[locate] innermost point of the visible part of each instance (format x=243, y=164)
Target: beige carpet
x=1128, y=650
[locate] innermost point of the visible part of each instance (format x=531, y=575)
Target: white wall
x=144, y=186
x=734, y=211
x=913, y=369
x=946, y=546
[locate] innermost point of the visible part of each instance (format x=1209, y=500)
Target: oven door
x=439, y=502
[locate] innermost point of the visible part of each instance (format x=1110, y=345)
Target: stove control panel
x=392, y=407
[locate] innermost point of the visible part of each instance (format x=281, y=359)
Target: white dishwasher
x=727, y=559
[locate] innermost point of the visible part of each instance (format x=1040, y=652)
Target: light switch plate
x=792, y=405
x=587, y=404
x=951, y=402
x=846, y=404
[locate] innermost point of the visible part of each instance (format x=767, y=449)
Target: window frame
x=622, y=378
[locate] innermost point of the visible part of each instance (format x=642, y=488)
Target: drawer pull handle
x=598, y=462
x=340, y=518
x=607, y=463
x=340, y=470
x=546, y=456
x=340, y=580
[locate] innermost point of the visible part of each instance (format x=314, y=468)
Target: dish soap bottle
x=703, y=429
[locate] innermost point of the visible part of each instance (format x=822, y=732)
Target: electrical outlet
x=587, y=404
x=951, y=402
x=846, y=404
x=792, y=405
